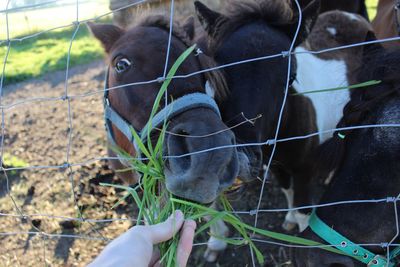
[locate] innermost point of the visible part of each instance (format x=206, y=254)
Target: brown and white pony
x=328, y=70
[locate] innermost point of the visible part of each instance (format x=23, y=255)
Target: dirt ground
x=37, y=132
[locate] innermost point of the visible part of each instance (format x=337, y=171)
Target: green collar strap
x=349, y=248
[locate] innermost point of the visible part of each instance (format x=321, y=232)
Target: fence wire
x=66, y=98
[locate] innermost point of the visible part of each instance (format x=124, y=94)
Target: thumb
x=166, y=230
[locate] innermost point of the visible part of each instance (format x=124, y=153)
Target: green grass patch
x=48, y=52
x=13, y=161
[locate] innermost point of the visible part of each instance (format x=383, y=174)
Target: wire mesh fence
x=58, y=165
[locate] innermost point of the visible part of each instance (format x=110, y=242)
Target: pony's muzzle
x=202, y=160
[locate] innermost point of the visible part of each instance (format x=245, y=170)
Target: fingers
x=186, y=242
x=166, y=230
x=155, y=258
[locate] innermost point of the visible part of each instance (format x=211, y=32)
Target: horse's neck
x=314, y=73
x=384, y=3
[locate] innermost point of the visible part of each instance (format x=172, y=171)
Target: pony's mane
x=215, y=77
x=163, y=22
x=239, y=12
x=381, y=65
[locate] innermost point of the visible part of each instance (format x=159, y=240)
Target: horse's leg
x=296, y=158
x=301, y=198
x=296, y=196
x=285, y=182
x=215, y=245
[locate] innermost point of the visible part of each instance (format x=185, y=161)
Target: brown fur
x=215, y=77
x=385, y=22
x=126, y=10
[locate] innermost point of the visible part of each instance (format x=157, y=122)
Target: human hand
x=135, y=247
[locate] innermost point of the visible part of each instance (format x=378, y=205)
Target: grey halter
x=176, y=107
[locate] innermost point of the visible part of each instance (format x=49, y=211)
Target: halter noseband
x=176, y=107
x=349, y=248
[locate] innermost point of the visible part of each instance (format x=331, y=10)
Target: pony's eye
x=122, y=65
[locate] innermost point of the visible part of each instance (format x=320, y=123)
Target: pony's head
x=136, y=59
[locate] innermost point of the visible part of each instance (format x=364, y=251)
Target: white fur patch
x=290, y=217
x=218, y=229
x=314, y=73
x=328, y=179
x=351, y=15
x=289, y=196
x=294, y=216
x=210, y=90
x=332, y=30
x=301, y=220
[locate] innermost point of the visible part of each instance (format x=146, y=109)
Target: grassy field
x=29, y=21
x=48, y=52
x=36, y=56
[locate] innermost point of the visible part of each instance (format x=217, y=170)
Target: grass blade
x=360, y=85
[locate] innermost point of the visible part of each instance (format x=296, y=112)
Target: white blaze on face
x=314, y=73
x=332, y=30
x=210, y=89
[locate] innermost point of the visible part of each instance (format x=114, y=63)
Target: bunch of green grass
x=155, y=204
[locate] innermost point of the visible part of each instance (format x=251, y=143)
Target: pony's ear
x=107, y=34
x=370, y=50
x=207, y=17
x=188, y=27
x=309, y=17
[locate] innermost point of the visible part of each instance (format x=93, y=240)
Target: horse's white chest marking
x=314, y=73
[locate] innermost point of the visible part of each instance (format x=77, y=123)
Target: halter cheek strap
x=349, y=248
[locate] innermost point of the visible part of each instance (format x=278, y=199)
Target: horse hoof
x=288, y=226
x=214, y=247
x=211, y=255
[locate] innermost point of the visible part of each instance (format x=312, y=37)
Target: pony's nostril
x=179, y=150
